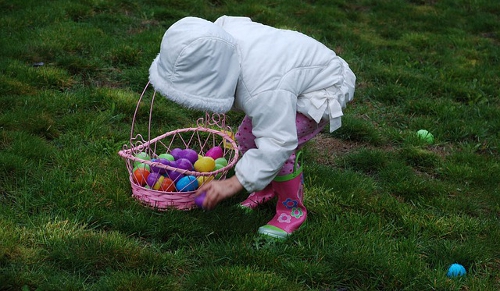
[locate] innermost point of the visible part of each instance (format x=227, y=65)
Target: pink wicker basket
x=210, y=131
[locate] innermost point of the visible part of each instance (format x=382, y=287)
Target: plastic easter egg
x=204, y=179
x=176, y=153
x=157, y=169
x=184, y=164
x=166, y=162
x=215, y=153
x=167, y=185
x=226, y=142
x=142, y=166
x=141, y=175
x=154, y=180
x=218, y=167
x=204, y=164
x=186, y=184
x=167, y=157
x=456, y=270
x=190, y=155
x=425, y=136
x=174, y=175
x=221, y=161
x=199, y=199
x=142, y=156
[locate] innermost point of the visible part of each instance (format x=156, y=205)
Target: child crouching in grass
x=289, y=86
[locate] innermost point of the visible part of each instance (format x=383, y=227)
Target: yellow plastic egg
x=204, y=164
x=204, y=179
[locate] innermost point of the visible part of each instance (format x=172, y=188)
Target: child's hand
x=216, y=191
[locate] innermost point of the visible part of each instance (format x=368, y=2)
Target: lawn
x=387, y=210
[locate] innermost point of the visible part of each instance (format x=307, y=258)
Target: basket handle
x=132, y=128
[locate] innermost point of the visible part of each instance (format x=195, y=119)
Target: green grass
x=388, y=212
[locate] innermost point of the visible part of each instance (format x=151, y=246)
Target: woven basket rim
x=127, y=153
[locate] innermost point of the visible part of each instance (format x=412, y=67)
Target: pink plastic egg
x=215, y=152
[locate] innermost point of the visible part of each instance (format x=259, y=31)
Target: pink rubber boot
x=259, y=197
x=290, y=210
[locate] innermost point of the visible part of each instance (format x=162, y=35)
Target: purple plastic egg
x=199, y=199
x=152, y=179
x=173, y=175
x=190, y=154
x=156, y=169
x=184, y=164
x=176, y=153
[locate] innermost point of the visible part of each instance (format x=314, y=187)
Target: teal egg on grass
x=456, y=270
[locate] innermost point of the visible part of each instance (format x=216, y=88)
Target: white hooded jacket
x=270, y=74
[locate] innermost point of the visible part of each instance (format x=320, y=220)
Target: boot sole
x=273, y=231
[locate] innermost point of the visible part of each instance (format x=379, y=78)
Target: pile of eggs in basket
x=158, y=178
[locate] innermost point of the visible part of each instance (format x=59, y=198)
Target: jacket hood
x=198, y=66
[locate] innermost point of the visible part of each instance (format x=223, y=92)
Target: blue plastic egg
x=186, y=184
x=456, y=270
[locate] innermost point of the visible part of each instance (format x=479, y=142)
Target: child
x=288, y=85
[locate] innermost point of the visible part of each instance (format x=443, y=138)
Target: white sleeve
x=273, y=117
